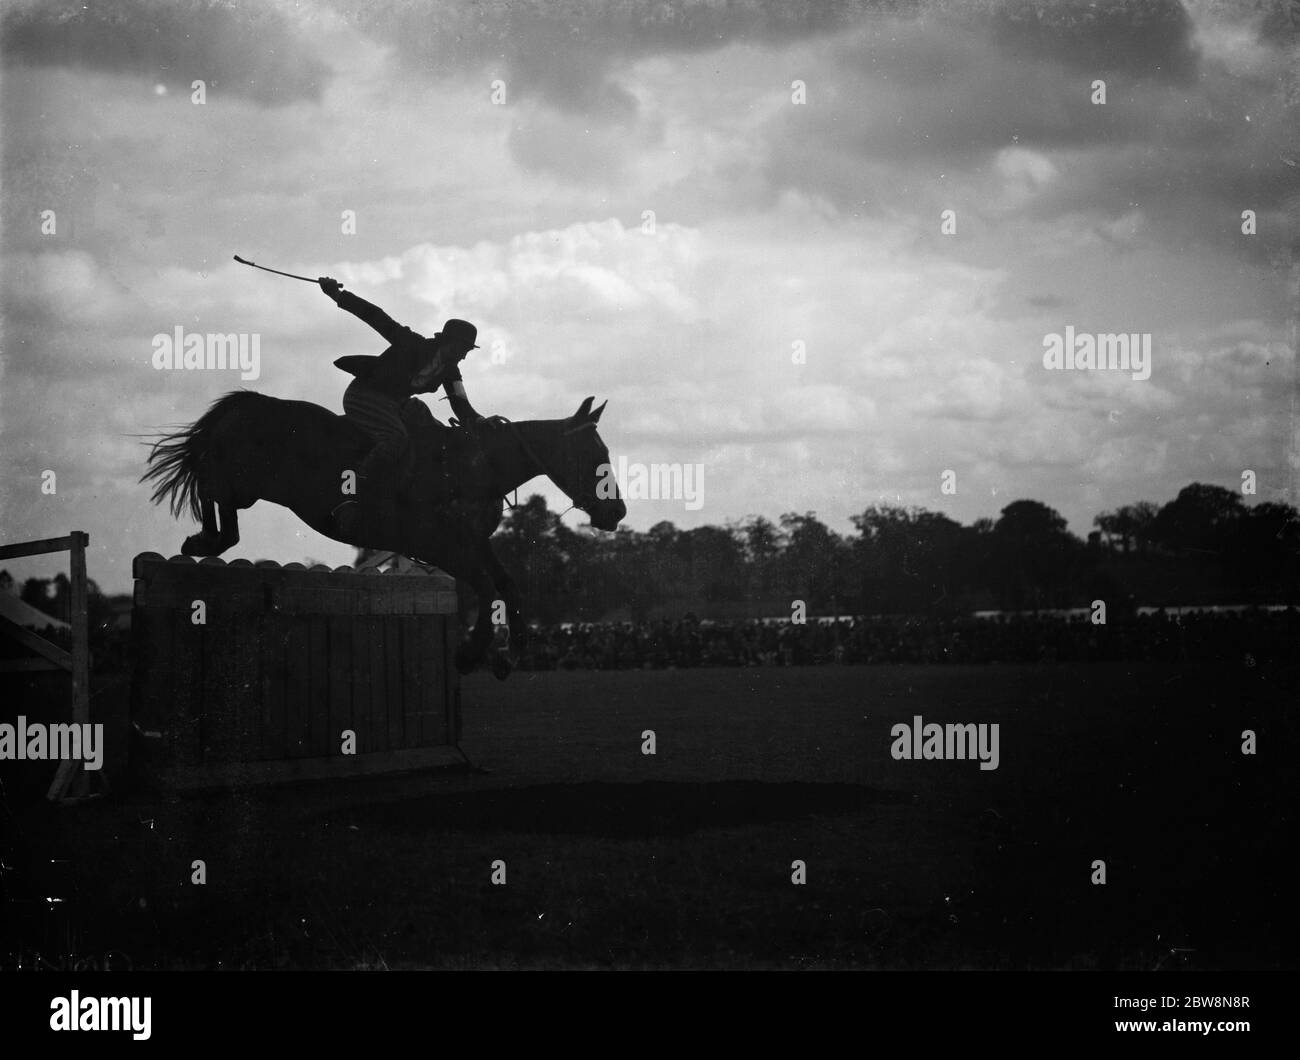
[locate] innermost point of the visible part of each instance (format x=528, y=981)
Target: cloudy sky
x=775, y=223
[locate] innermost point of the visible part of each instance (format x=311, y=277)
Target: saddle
x=433, y=442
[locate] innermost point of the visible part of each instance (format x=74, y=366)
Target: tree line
x=1204, y=547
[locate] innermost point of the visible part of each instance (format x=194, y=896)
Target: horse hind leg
x=229, y=536
x=211, y=540
x=476, y=647
x=207, y=542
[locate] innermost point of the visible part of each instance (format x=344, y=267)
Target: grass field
x=683, y=858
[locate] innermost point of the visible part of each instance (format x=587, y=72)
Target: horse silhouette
x=249, y=447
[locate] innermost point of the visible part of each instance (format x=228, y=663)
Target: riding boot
x=376, y=476
x=381, y=472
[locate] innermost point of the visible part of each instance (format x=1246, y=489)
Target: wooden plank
x=36, y=548
x=248, y=595
x=184, y=648
x=270, y=655
x=376, y=594
x=52, y=652
x=337, y=598
x=19, y=666
x=199, y=649
x=144, y=670
x=175, y=705
x=319, y=704
x=161, y=687
x=404, y=596
x=239, y=596
x=359, y=684
x=431, y=641
x=412, y=671
x=340, y=682
x=219, y=698
x=174, y=646
x=394, y=702
x=451, y=678
x=297, y=683
x=162, y=682
x=425, y=692
x=436, y=599
x=410, y=640
x=250, y=698
x=381, y=686
x=241, y=682
x=371, y=680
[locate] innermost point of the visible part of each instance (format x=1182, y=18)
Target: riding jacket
x=406, y=367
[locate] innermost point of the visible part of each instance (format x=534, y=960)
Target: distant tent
x=22, y=613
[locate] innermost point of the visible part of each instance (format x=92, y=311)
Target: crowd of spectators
x=1242, y=637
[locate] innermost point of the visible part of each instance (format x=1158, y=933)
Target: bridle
x=545, y=469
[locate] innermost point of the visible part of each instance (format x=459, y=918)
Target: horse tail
x=175, y=459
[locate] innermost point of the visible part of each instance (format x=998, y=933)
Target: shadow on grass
x=619, y=811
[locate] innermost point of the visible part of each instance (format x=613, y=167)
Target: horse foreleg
x=473, y=650
x=505, y=585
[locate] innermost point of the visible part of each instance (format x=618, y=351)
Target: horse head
x=583, y=469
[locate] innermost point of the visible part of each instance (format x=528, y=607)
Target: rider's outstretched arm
x=455, y=388
x=389, y=328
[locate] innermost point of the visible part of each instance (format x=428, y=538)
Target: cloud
x=1139, y=38
x=242, y=49
x=597, y=269
x=926, y=97
x=66, y=285
x=921, y=114
x=566, y=52
x=557, y=144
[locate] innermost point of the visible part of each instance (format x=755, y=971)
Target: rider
x=412, y=364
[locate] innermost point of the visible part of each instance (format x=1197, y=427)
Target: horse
x=249, y=447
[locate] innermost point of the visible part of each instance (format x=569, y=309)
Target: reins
x=541, y=464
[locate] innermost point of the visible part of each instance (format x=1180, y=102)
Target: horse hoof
x=196, y=545
x=501, y=667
